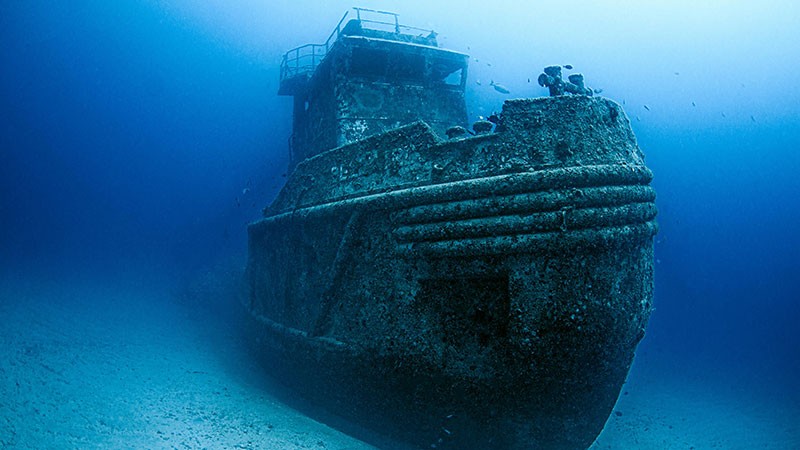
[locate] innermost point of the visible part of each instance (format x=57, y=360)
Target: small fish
x=598, y=91
x=245, y=191
x=694, y=104
x=489, y=64
x=499, y=88
x=478, y=82
x=638, y=119
x=529, y=80
x=567, y=66
x=723, y=115
x=647, y=107
x=677, y=73
x=753, y=118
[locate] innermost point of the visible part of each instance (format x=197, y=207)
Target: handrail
x=396, y=20
x=293, y=65
x=303, y=60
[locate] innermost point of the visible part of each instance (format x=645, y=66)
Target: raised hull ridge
x=485, y=292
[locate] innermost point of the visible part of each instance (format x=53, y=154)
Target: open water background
x=138, y=138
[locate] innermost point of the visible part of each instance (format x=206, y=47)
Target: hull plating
x=487, y=292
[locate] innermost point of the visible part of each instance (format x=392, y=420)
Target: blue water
x=138, y=138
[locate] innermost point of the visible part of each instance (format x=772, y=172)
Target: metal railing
x=305, y=59
x=397, y=27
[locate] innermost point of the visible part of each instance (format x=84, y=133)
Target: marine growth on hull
x=451, y=288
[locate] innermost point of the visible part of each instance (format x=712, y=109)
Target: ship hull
x=486, y=304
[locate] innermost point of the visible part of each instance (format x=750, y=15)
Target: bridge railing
x=304, y=60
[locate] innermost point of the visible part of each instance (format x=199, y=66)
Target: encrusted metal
x=486, y=291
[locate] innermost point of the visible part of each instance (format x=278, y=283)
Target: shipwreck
x=450, y=289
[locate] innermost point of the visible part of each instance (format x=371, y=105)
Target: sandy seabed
x=100, y=364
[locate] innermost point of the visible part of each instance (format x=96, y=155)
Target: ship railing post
x=297, y=61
